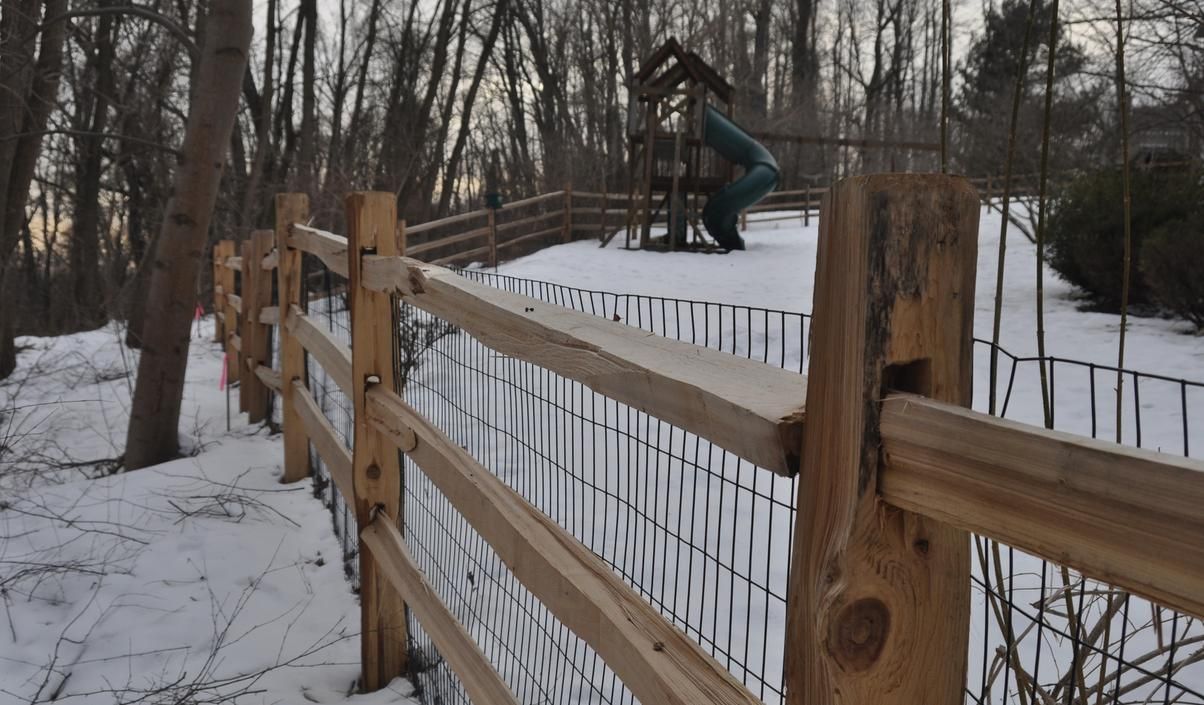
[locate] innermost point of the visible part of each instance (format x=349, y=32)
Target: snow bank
x=193, y=581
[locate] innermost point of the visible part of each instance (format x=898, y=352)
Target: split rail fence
x=492, y=235
x=894, y=471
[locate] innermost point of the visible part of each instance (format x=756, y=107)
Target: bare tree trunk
x=87, y=290
x=803, y=59
x=453, y=163
x=261, y=109
x=760, y=79
x=306, y=167
x=155, y=413
x=22, y=112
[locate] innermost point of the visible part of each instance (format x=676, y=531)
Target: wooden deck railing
x=894, y=469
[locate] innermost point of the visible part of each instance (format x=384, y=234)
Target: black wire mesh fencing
x=324, y=298
x=706, y=537
x=701, y=534
x=1044, y=633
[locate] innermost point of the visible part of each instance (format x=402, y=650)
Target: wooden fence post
x=807, y=209
x=567, y=234
x=256, y=343
x=605, y=202
x=290, y=208
x=879, y=600
x=219, y=295
x=492, y=216
x=244, y=328
x=230, y=313
x=401, y=237
x=371, y=227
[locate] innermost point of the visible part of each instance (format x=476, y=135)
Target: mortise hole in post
x=914, y=377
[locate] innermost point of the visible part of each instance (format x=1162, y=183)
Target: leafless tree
x=155, y=412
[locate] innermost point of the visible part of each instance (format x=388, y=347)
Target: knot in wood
x=857, y=637
x=373, y=472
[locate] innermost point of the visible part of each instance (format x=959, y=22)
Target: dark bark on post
x=879, y=598
x=153, y=435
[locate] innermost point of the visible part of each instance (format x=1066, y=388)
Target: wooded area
x=441, y=102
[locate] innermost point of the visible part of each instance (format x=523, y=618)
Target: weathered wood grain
x=222, y=251
x=328, y=247
x=269, y=315
x=1130, y=517
x=333, y=355
x=257, y=292
x=879, y=598
x=291, y=208
x=749, y=408
x=371, y=224
x=319, y=432
x=269, y=377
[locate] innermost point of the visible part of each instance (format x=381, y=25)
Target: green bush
x=1172, y=263
x=1085, y=232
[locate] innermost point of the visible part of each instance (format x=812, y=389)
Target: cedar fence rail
x=895, y=470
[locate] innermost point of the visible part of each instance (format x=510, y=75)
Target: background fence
x=526, y=225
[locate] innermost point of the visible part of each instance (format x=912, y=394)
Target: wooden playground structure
x=670, y=169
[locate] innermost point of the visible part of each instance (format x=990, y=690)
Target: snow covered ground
x=193, y=581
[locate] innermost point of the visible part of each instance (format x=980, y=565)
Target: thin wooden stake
x=879, y=597
x=291, y=208
x=567, y=235
x=371, y=228
x=492, y=215
x=219, y=297
x=245, y=376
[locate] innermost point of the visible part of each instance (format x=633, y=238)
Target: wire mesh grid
x=699, y=533
x=705, y=537
x=1042, y=633
x=324, y=298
